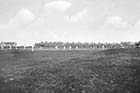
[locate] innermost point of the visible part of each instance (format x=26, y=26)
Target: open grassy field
x=70, y=71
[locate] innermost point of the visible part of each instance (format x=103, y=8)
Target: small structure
x=32, y=48
x=77, y=47
x=9, y=45
x=16, y=47
x=103, y=47
x=24, y=47
x=70, y=47
x=56, y=47
x=64, y=47
x=40, y=47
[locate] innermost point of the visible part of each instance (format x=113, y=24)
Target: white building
x=8, y=45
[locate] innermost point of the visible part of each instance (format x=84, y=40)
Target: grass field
x=70, y=71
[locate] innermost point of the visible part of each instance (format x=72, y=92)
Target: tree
x=137, y=44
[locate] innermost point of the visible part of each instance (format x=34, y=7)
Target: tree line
x=86, y=45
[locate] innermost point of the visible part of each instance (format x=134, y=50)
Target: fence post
x=2, y=47
x=10, y=47
x=16, y=47
x=24, y=47
x=32, y=48
x=70, y=47
x=76, y=47
x=103, y=47
x=64, y=47
x=56, y=47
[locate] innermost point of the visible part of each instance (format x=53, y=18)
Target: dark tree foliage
x=137, y=44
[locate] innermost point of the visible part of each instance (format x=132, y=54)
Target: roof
x=8, y=43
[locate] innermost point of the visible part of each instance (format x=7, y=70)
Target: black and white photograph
x=69, y=46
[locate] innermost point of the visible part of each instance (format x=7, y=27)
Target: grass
x=74, y=71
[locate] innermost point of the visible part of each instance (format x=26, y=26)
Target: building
x=8, y=45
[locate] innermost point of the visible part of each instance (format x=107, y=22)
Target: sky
x=30, y=21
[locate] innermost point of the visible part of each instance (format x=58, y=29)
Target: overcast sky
x=30, y=21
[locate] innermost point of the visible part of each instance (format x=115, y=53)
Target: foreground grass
x=108, y=71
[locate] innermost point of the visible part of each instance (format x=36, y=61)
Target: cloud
x=3, y=26
x=14, y=29
x=59, y=5
x=137, y=25
x=116, y=21
x=136, y=30
x=78, y=16
x=23, y=17
x=52, y=13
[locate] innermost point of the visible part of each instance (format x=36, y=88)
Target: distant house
x=8, y=44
